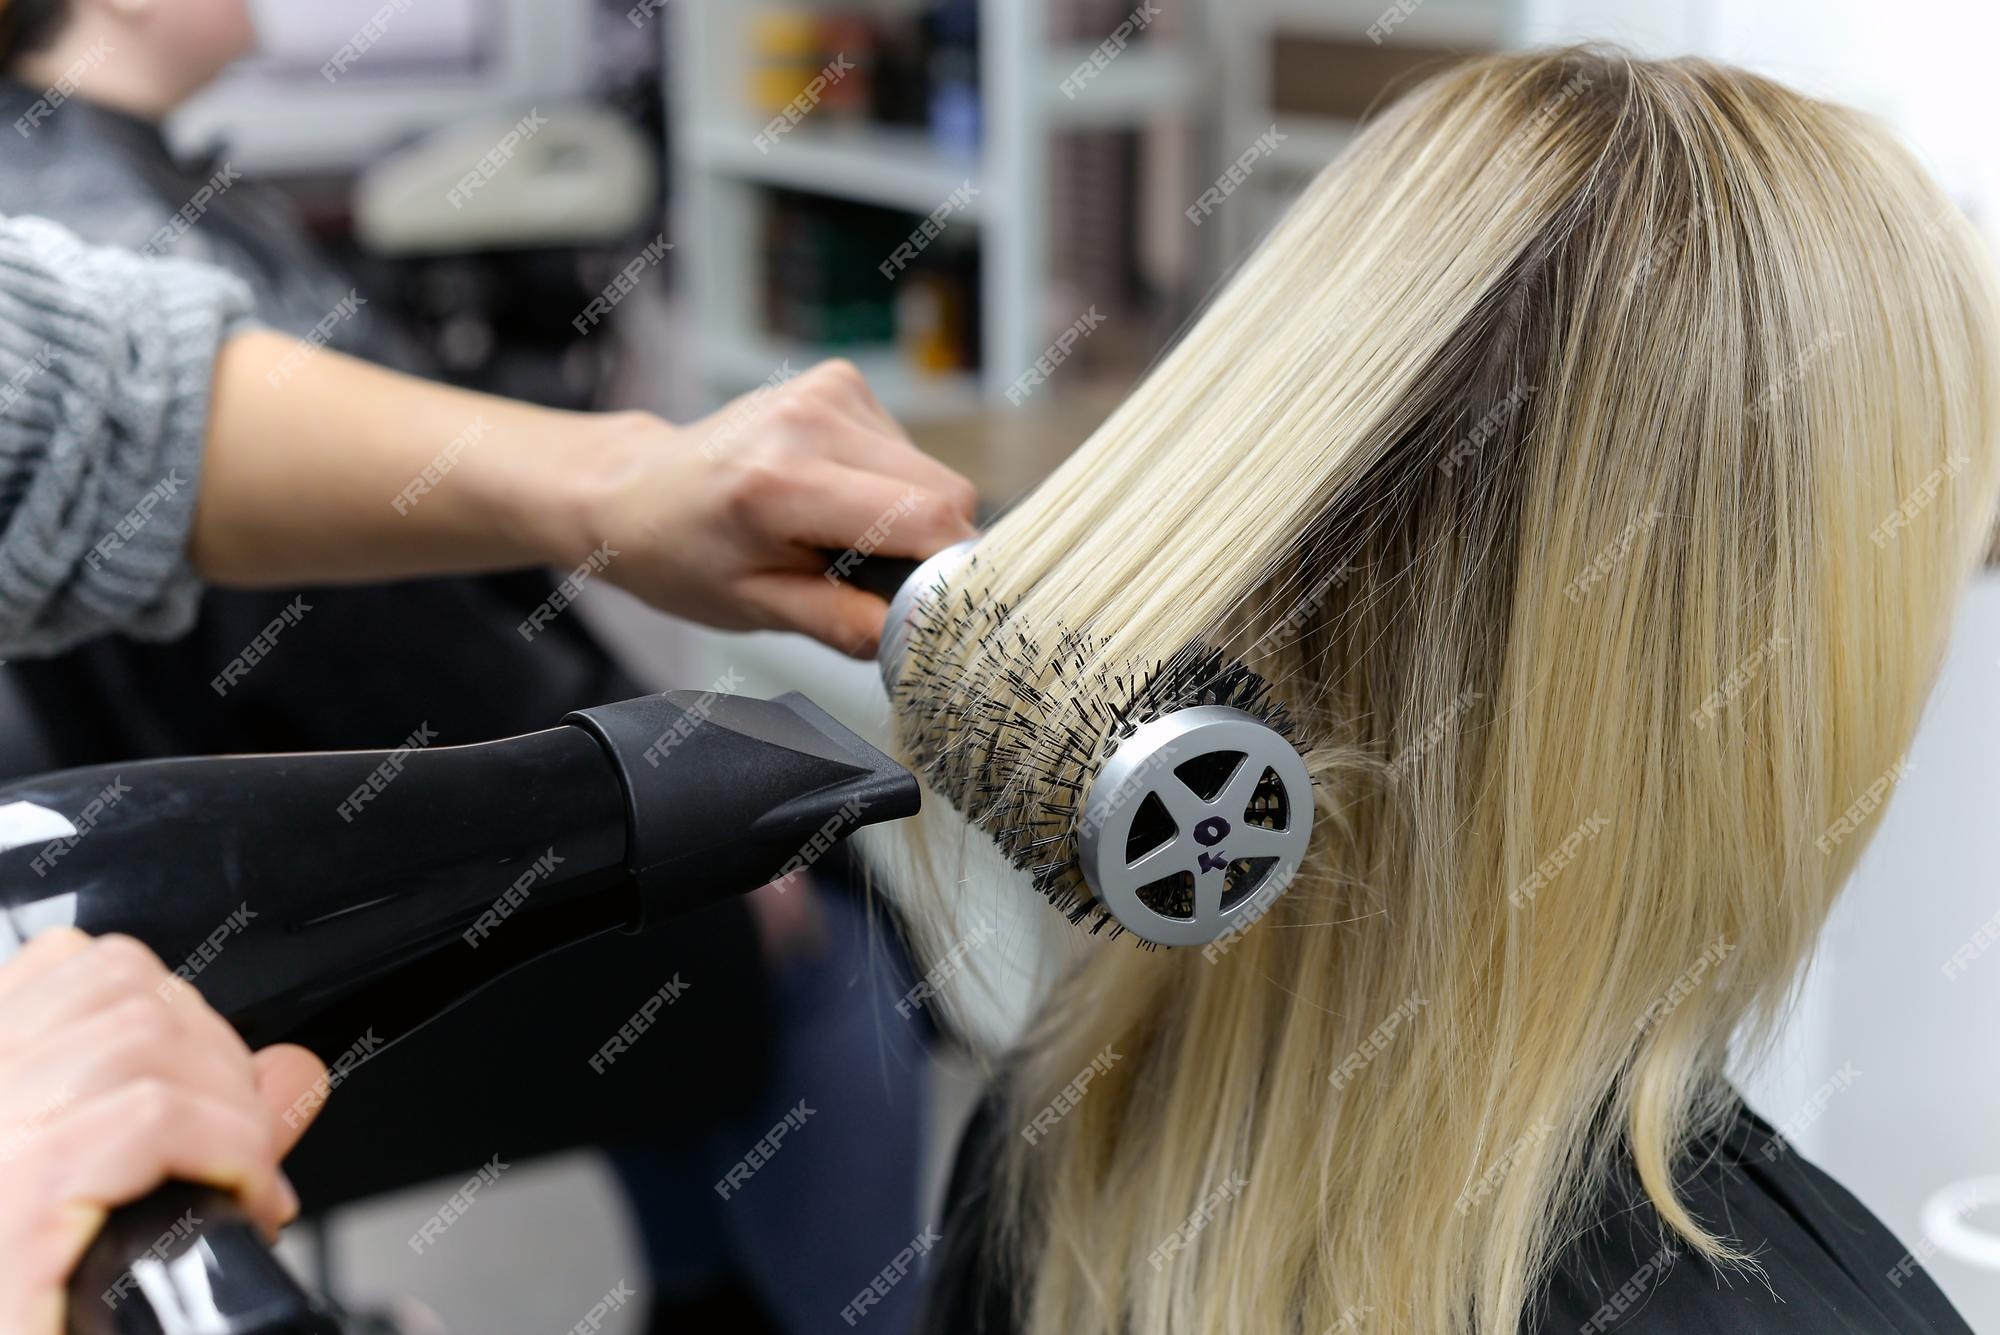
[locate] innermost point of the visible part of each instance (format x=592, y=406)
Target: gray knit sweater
x=106, y=361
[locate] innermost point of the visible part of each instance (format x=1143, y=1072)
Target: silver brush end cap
x=933, y=574
x=1195, y=824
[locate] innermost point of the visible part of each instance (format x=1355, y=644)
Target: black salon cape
x=1832, y=1268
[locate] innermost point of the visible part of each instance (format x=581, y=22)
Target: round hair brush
x=1167, y=800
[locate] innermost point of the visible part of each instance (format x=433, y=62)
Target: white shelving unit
x=719, y=170
x=1312, y=141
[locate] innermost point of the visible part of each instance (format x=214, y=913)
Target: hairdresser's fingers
x=285, y=1074
x=830, y=412
x=822, y=504
x=876, y=443
x=120, y=972
x=43, y=952
x=119, y=1146
x=108, y=971
x=134, y=1041
x=839, y=615
x=895, y=457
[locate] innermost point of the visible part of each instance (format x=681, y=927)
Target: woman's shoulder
x=1826, y=1264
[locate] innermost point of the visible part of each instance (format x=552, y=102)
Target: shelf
x=1140, y=84
x=737, y=366
x=895, y=168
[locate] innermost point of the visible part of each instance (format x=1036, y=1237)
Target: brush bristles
x=1012, y=730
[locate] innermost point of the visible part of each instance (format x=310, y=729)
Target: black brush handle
x=879, y=575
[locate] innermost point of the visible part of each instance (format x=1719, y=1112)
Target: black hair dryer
x=317, y=897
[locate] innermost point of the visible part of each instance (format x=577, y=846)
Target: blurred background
x=949, y=192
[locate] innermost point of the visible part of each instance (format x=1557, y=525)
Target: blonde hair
x=1591, y=460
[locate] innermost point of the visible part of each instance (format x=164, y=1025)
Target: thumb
x=293, y=1084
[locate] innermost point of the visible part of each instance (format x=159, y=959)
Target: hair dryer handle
x=186, y=1259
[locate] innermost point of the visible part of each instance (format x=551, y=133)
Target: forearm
x=325, y=469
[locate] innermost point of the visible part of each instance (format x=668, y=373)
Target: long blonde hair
x=1592, y=460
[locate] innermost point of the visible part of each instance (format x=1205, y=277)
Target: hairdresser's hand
x=728, y=520
x=114, y=1077
x=326, y=470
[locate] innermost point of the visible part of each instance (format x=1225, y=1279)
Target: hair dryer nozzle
x=726, y=791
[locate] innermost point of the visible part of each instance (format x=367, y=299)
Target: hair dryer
x=343, y=896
